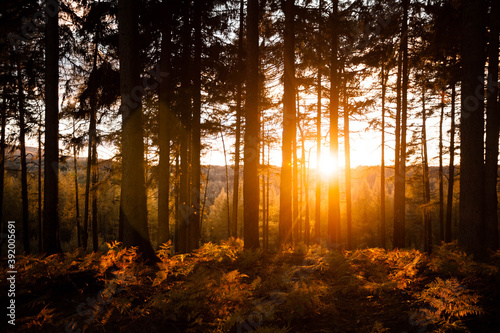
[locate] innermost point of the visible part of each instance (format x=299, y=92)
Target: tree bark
x=239, y=89
x=133, y=192
x=51, y=243
x=425, y=182
x=333, y=184
x=194, y=223
x=471, y=208
x=382, y=165
x=184, y=210
x=440, y=173
x=24, y=172
x=492, y=132
x=77, y=203
x=251, y=137
x=347, y=157
x=451, y=169
x=289, y=120
x=400, y=179
x=166, y=119
x=317, y=222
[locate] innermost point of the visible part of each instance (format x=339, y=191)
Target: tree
x=165, y=120
x=333, y=184
x=22, y=143
x=133, y=192
x=251, y=137
x=236, y=177
x=194, y=225
x=289, y=131
x=347, y=156
x=471, y=208
x=51, y=243
x=492, y=131
x=400, y=177
x=451, y=168
x=317, y=225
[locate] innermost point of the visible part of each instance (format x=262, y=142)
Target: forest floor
x=223, y=288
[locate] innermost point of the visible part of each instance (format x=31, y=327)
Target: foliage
x=222, y=288
x=448, y=302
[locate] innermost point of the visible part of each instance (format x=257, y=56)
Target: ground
x=223, y=288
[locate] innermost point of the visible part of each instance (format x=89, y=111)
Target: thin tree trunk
x=24, y=172
x=307, y=227
x=295, y=187
x=184, y=211
x=2, y=155
x=426, y=184
x=289, y=120
x=239, y=93
x=204, y=197
x=347, y=156
x=451, y=170
x=251, y=138
x=227, y=183
x=268, y=185
x=399, y=191
x=492, y=132
x=440, y=173
x=166, y=118
x=333, y=186
x=40, y=211
x=194, y=226
x=95, y=178
x=263, y=177
x=382, y=166
x=317, y=224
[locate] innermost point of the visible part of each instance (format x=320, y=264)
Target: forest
x=250, y=166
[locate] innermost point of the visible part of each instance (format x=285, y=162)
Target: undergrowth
x=223, y=288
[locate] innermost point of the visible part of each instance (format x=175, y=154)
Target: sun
x=327, y=164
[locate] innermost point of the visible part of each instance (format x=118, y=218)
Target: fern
x=448, y=302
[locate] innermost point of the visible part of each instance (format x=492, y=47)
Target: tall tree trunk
x=471, y=209
x=347, y=157
x=95, y=178
x=77, y=204
x=133, y=191
x=440, y=173
x=400, y=179
x=268, y=186
x=239, y=93
x=492, y=132
x=2, y=154
x=295, y=186
x=289, y=120
x=333, y=185
x=194, y=226
x=426, y=183
x=184, y=211
x=39, y=194
x=251, y=137
x=451, y=169
x=227, y=183
x=166, y=119
x=382, y=165
x=51, y=243
x=263, y=179
x=317, y=222
x=24, y=171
